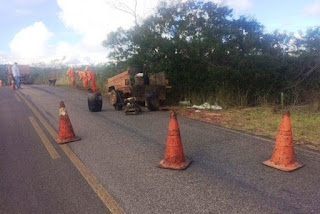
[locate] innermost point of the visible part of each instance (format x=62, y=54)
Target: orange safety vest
x=70, y=73
x=92, y=79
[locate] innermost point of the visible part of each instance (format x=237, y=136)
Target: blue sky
x=71, y=31
x=288, y=15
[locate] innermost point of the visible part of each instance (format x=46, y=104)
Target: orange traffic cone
x=174, y=157
x=13, y=87
x=66, y=133
x=283, y=157
x=1, y=83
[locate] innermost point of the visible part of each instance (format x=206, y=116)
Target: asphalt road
x=122, y=151
x=31, y=181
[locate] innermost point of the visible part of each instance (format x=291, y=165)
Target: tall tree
x=207, y=52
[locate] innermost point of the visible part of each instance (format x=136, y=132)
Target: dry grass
x=265, y=121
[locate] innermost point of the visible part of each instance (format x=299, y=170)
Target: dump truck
x=147, y=90
x=24, y=74
x=4, y=73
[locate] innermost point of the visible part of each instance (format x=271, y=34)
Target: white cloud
x=92, y=20
x=79, y=53
x=240, y=5
x=5, y=57
x=31, y=42
x=313, y=9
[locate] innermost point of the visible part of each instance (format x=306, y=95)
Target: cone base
x=166, y=165
x=68, y=140
x=286, y=168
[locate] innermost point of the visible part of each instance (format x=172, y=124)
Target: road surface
x=113, y=167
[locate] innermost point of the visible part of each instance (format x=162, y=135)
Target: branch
x=116, y=4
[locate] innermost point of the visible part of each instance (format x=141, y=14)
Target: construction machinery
x=146, y=90
x=24, y=73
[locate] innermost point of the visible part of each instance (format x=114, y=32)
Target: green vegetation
x=266, y=120
x=39, y=75
x=209, y=55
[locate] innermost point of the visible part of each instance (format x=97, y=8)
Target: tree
x=208, y=53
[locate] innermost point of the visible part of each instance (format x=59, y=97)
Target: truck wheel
x=155, y=104
x=115, y=100
x=153, y=101
x=114, y=97
x=95, y=101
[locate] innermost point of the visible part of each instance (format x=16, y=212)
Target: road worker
x=83, y=76
x=16, y=74
x=70, y=74
x=52, y=78
x=91, y=78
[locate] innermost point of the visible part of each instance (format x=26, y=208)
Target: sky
x=72, y=31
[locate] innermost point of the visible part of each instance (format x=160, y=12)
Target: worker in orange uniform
x=71, y=75
x=90, y=74
x=83, y=76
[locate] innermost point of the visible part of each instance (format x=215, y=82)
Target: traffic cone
x=174, y=157
x=13, y=87
x=1, y=83
x=283, y=157
x=66, y=133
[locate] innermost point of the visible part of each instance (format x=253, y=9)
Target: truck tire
x=95, y=101
x=115, y=100
x=152, y=101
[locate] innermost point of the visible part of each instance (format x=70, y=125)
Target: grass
x=261, y=121
x=265, y=121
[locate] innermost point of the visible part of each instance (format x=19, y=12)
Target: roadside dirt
x=233, y=121
x=215, y=117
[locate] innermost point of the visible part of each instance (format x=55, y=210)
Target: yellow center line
x=19, y=100
x=102, y=193
x=53, y=153
x=104, y=196
x=44, y=123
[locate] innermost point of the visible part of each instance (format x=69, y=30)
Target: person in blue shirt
x=16, y=75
